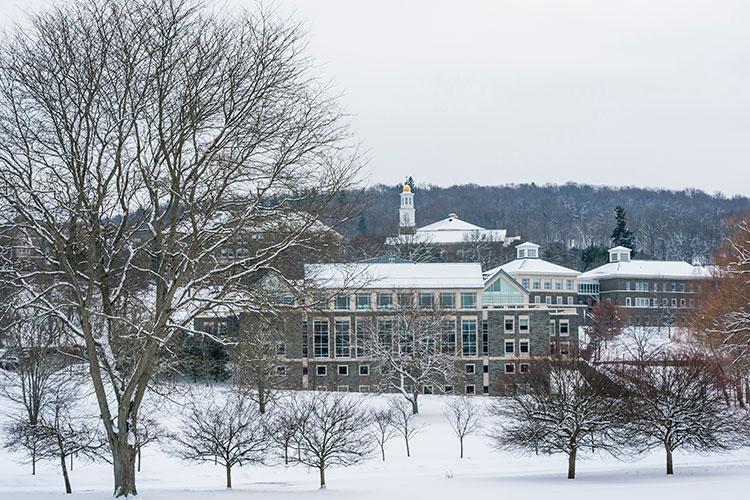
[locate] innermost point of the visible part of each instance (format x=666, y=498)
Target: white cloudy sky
x=628, y=92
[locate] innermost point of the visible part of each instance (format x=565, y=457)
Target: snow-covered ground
x=433, y=472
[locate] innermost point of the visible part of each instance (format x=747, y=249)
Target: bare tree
x=560, y=413
x=285, y=424
x=674, y=403
x=260, y=347
x=138, y=140
x=30, y=386
x=383, y=427
x=605, y=323
x=228, y=432
x=333, y=432
x=405, y=421
x=408, y=348
x=464, y=418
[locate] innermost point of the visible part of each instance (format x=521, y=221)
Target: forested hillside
x=667, y=224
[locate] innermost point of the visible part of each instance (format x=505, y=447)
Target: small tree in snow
x=383, y=427
x=560, y=413
x=407, y=348
x=286, y=422
x=333, y=431
x=675, y=404
x=405, y=421
x=463, y=416
x=230, y=432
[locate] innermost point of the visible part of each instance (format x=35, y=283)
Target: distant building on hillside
x=446, y=232
x=652, y=292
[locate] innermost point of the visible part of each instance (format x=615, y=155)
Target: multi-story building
x=494, y=332
x=652, y=292
x=545, y=282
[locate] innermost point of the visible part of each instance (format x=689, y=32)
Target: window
x=364, y=370
x=523, y=324
x=627, y=301
x=363, y=301
x=510, y=368
x=485, y=338
x=523, y=346
x=404, y=299
x=521, y=253
x=468, y=300
x=342, y=302
x=485, y=368
x=559, y=300
x=448, y=389
x=385, y=332
x=281, y=348
x=674, y=302
x=523, y=368
x=564, y=327
x=470, y=390
x=427, y=390
x=537, y=299
x=321, y=370
x=682, y=302
x=642, y=302
x=321, y=388
x=641, y=286
x=552, y=329
x=469, y=337
x=525, y=283
x=448, y=340
x=470, y=368
x=281, y=370
x=548, y=300
x=343, y=370
x=558, y=284
x=342, y=339
x=509, y=324
x=564, y=348
x=362, y=338
x=447, y=300
x=486, y=389
x=548, y=284
x=343, y=388
x=385, y=300
x=320, y=338
x=537, y=284
x=364, y=388
x=509, y=347
x=570, y=301
x=426, y=299
x=569, y=284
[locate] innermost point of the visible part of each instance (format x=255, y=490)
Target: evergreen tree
x=410, y=182
x=621, y=235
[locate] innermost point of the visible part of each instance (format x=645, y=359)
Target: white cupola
x=620, y=254
x=527, y=250
x=406, y=213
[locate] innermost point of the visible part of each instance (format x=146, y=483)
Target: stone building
x=651, y=292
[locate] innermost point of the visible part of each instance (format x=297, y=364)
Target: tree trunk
x=408, y=452
x=286, y=454
x=461, y=440
x=382, y=451
x=322, y=477
x=414, y=404
x=670, y=467
x=572, y=464
x=123, y=461
x=229, y=476
x=66, y=478
x=71, y=461
x=139, y=459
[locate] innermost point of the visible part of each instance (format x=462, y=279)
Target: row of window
x=643, y=286
x=654, y=302
x=364, y=370
x=539, y=284
x=570, y=300
x=385, y=300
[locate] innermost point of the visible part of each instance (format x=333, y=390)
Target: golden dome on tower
x=407, y=189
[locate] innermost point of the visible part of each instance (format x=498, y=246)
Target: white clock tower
x=406, y=213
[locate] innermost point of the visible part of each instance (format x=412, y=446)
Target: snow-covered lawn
x=433, y=472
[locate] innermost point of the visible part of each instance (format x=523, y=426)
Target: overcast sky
x=628, y=92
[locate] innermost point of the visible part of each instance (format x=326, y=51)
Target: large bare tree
x=139, y=140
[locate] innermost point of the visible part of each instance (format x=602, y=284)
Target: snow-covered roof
x=395, y=275
x=532, y=266
x=451, y=230
x=646, y=269
x=528, y=244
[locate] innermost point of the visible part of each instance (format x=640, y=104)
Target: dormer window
x=615, y=257
x=532, y=253
x=521, y=254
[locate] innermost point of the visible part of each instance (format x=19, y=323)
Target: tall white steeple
x=406, y=213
